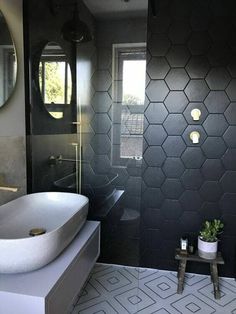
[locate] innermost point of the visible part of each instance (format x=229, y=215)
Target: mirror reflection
x=55, y=80
x=8, y=65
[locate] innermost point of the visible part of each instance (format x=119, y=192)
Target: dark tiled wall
x=191, y=64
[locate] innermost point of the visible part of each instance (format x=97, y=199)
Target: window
x=129, y=73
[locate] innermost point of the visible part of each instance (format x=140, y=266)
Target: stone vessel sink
x=60, y=214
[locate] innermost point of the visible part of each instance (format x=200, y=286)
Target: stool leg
x=181, y=273
x=215, y=280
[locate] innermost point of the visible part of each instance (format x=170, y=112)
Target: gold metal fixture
x=37, y=231
x=5, y=187
x=196, y=113
x=195, y=137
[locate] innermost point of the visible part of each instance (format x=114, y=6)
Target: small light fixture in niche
x=195, y=137
x=196, y=113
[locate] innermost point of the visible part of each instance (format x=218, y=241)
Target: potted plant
x=208, y=239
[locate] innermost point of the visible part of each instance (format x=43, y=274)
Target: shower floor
x=115, y=289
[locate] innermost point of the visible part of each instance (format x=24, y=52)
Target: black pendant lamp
x=76, y=30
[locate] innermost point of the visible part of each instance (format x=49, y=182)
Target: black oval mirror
x=8, y=64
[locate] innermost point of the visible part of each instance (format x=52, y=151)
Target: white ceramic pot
x=207, y=250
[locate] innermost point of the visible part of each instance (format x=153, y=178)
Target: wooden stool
x=183, y=258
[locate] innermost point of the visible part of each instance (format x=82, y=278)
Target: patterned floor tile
x=114, y=289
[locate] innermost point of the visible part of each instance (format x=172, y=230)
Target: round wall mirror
x=55, y=80
x=8, y=64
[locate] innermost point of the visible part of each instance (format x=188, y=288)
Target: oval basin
x=60, y=214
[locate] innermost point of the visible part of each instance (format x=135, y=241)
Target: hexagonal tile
x=212, y=169
x=175, y=124
x=101, y=102
x=171, y=209
x=159, y=24
x=172, y=188
x=152, y=198
x=230, y=137
x=190, y=221
x=228, y=182
x=158, y=45
x=229, y=159
x=214, y=147
x=173, y=167
x=174, y=146
x=211, y=191
x=177, y=79
x=231, y=90
x=209, y=210
x=101, y=144
x=197, y=67
x=176, y=102
x=215, y=125
x=228, y=203
x=218, y=78
x=157, y=90
x=219, y=54
x=154, y=156
x=179, y=32
x=193, y=157
x=156, y=113
x=219, y=30
x=104, y=58
x=195, y=105
x=217, y=101
x=101, y=80
x=178, y=56
x=133, y=186
x=153, y=177
x=230, y=113
x=101, y=164
x=191, y=200
x=192, y=179
x=193, y=128
x=157, y=68
x=197, y=90
x=155, y=135
x=101, y=123
x=232, y=67
x=199, y=43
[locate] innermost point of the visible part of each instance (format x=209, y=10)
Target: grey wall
x=12, y=114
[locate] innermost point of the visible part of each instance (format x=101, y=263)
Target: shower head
x=76, y=30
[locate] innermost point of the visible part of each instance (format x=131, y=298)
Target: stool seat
x=183, y=258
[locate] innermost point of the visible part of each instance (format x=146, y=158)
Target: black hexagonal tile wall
x=230, y=137
x=229, y=159
x=101, y=80
x=230, y=113
x=212, y=169
x=171, y=209
x=211, y=191
x=209, y=210
x=199, y=43
x=158, y=45
x=156, y=113
x=194, y=128
x=214, y=147
x=197, y=67
x=228, y=182
x=158, y=68
x=173, y=167
x=178, y=56
x=175, y=124
x=101, y=123
x=192, y=179
x=101, y=102
x=218, y=78
x=190, y=221
x=191, y=200
x=154, y=156
x=153, y=177
x=101, y=144
x=177, y=79
x=176, y=102
x=231, y=90
x=174, y=146
x=172, y=188
x=152, y=198
x=197, y=90
x=155, y=134
x=215, y=125
x=217, y=101
x=157, y=90
x=179, y=32
x=193, y=157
